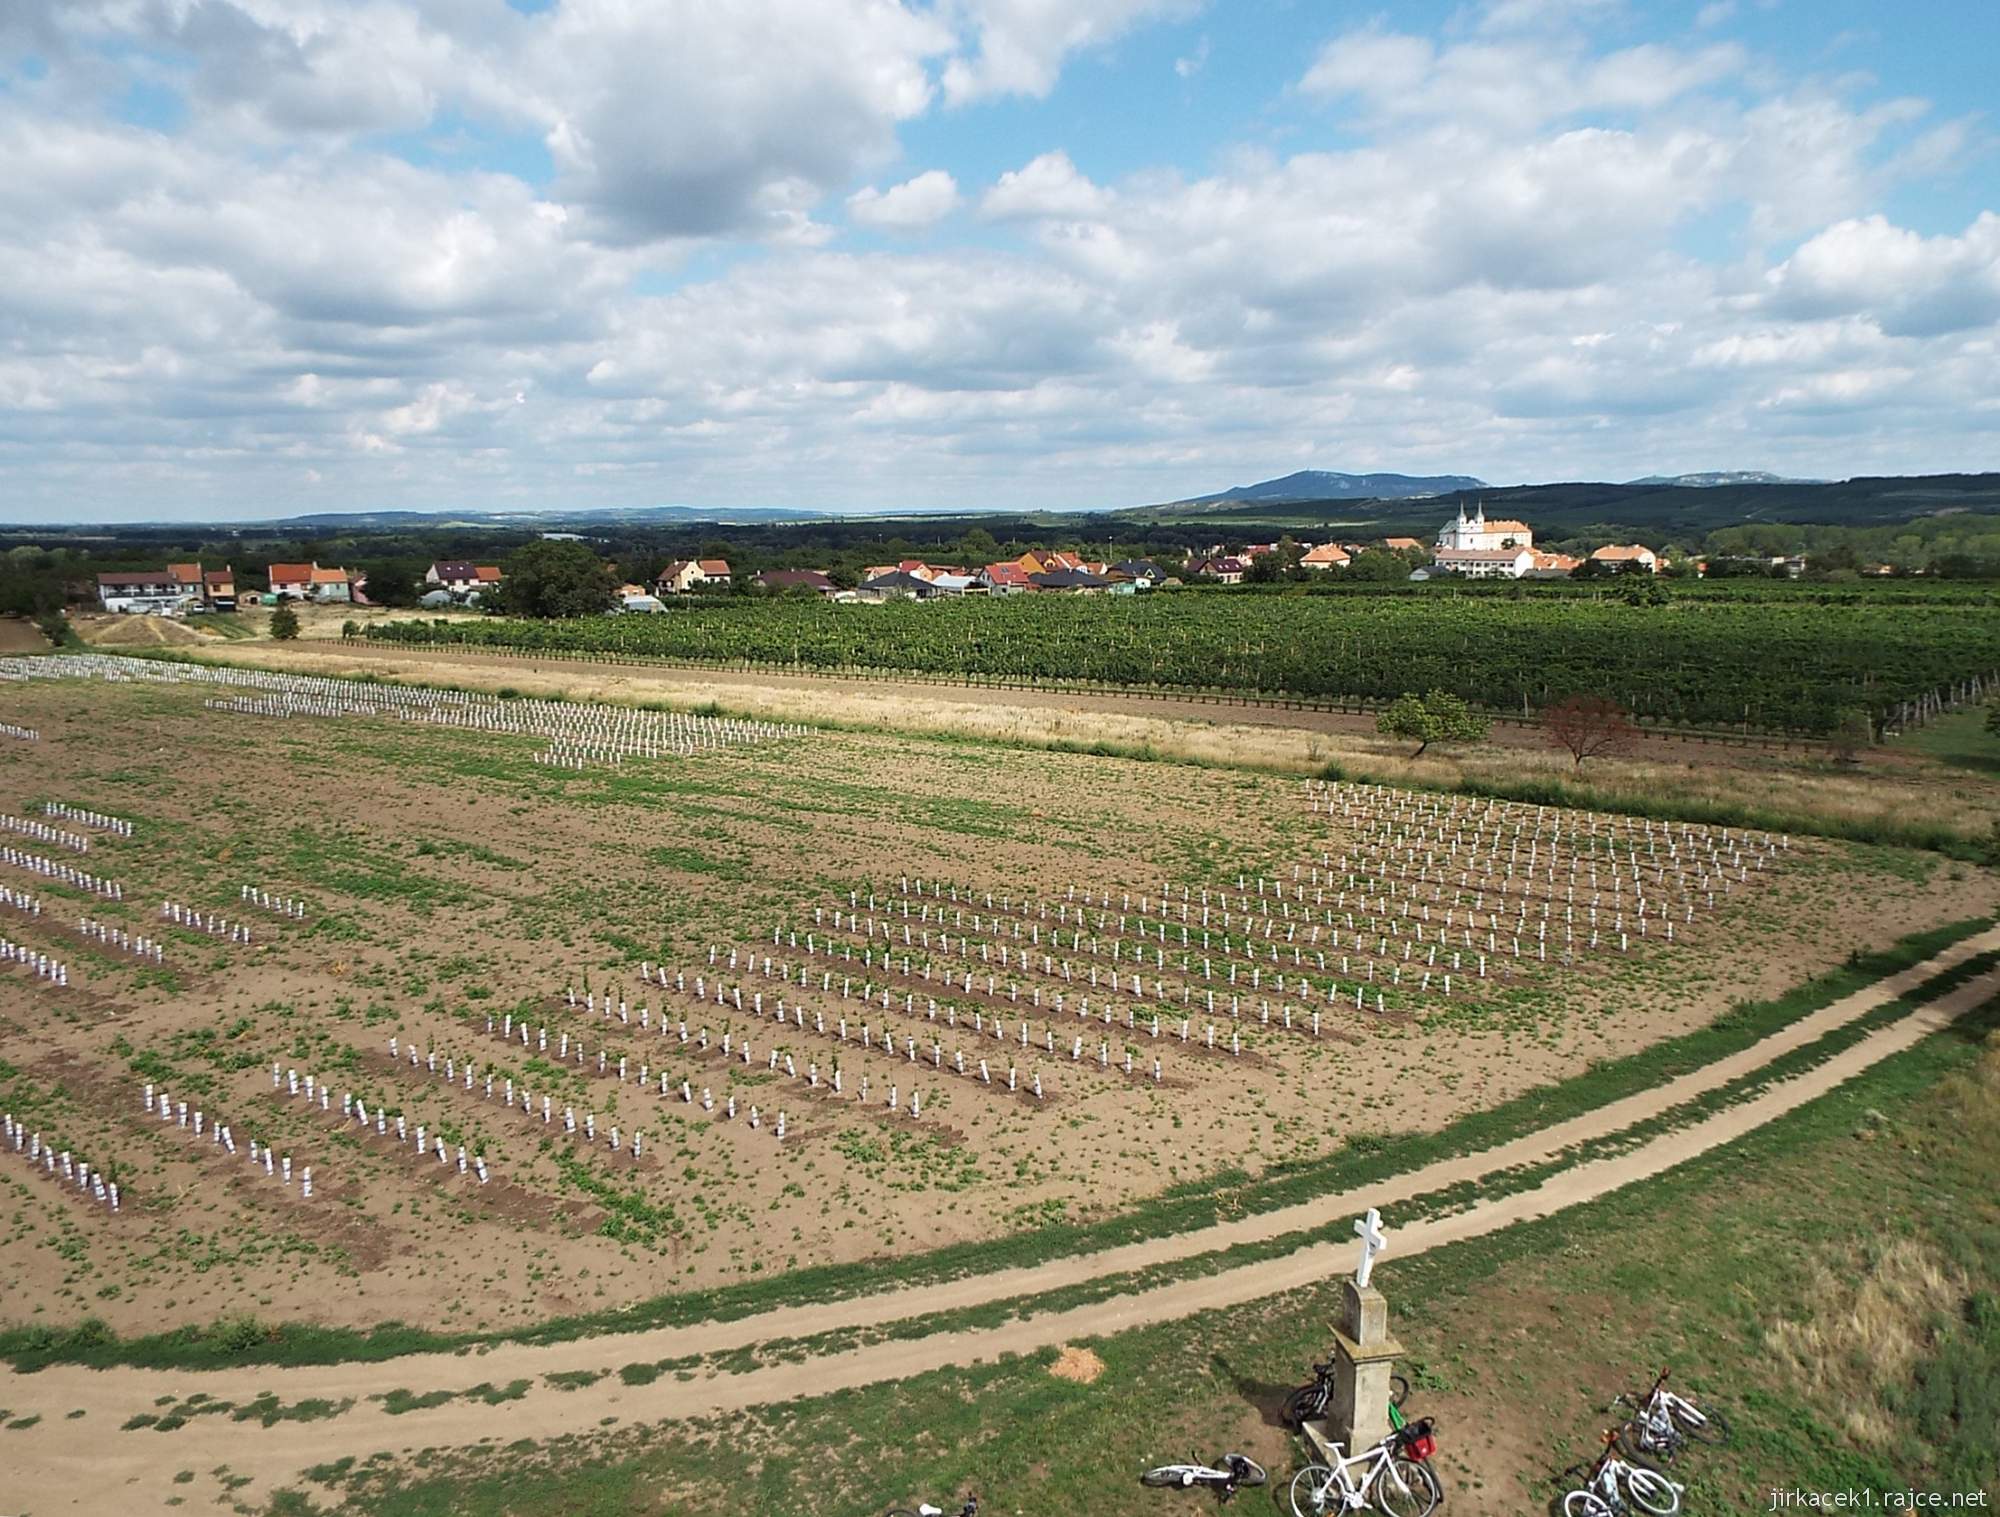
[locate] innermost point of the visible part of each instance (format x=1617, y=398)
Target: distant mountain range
x=1722, y=477
x=1325, y=484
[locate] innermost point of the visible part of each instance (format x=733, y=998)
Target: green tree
x=1377, y=565
x=1851, y=735
x=1439, y=717
x=555, y=579
x=284, y=624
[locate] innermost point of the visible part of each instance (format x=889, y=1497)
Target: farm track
x=53, y=1467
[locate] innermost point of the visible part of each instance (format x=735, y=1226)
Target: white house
x=1485, y=563
x=1478, y=534
x=155, y=590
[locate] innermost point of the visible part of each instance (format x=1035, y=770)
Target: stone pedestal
x=1363, y=1355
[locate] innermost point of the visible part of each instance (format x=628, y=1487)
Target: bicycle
x=1614, y=1487
x=1310, y=1401
x=925, y=1509
x=1229, y=1474
x=1395, y=1475
x=1663, y=1423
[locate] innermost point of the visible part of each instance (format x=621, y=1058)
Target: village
x=1472, y=547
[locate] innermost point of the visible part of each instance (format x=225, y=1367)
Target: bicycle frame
x=1378, y=1462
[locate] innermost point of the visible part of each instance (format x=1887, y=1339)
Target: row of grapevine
x=1777, y=667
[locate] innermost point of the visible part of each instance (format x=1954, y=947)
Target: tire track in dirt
x=54, y=1467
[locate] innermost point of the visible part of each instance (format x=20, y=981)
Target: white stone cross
x=1373, y=1240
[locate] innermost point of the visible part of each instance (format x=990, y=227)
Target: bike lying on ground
x=925, y=1509
x=1662, y=1423
x=1395, y=1475
x=1613, y=1487
x=1225, y=1477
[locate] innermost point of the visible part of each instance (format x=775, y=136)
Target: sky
x=267, y=257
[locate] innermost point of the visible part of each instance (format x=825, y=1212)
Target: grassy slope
x=1832, y=1277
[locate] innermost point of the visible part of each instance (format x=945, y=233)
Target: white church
x=1478, y=535
x=1477, y=548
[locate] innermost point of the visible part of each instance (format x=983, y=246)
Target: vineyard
x=1769, y=665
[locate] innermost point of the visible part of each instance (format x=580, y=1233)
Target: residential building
x=1485, y=563
x=294, y=580
x=1228, y=571
x=683, y=575
x=1477, y=534
x=1623, y=558
x=1007, y=578
x=456, y=575
x=1403, y=545
x=1142, y=572
x=1554, y=566
x=796, y=579
x=218, y=588
x=898, y=584
x=331, y=586
x=1326, y=556
x=152, y=591
x=1076, y=581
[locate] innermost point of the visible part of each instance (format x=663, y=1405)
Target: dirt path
x=59, y=1465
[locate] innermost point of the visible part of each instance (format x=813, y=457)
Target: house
x=152, y=591
x=1076, y=581
x=685, y=574
x=1478, y=534
x=638, y=598
x=188, y=577
x=1007, y=578
x=796, y=579
x=454, y=575
x=1326, y=556
x=1142, y=572
x=897, y=584
x=331, y=586
x=1403, y=545
x=294, y=580
x=1553, y=566
x=218, y=588
x=1617, y=558
x=1228, y=571
x=1486, y=563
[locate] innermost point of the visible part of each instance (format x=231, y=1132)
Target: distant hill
x=542, y=520
x=1325, y=484
x=1565, y=510
x=1721, y=477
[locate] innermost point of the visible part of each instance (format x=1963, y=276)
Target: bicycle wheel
x=1418, y=1495
x=1652, y=1492
x=1703, y=1425
x=1167, y=1476
x=1399, y=1390
x=1304, y=1404
x=1314, y=1492
x=1250, y=1472
x=1586, y=1504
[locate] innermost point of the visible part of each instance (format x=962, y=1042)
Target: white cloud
x=1023, y=44
x=1908, y=284
x=910, y=206
x=1048, y=186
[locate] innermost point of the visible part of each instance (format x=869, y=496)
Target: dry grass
x=1880, y=1308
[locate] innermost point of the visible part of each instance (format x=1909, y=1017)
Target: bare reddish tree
x=1588, y=726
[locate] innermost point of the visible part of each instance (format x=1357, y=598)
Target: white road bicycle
x=1664, y=1423
x=1395, y=1475
x=1614, y=1487
x=925, y=1509
x=1224, y=1477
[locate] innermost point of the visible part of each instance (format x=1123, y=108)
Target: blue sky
x=273, y=256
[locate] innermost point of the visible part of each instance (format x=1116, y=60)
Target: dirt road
x=62, y=1465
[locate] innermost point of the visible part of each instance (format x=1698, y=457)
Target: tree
x=555, y=579
x=1439, y=717
x=284, y=624
x=1993, y=718
x=350, y=630
x=1852, y=733
x=1588, y=726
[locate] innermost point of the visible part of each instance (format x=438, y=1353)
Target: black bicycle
x=1309, y=1402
